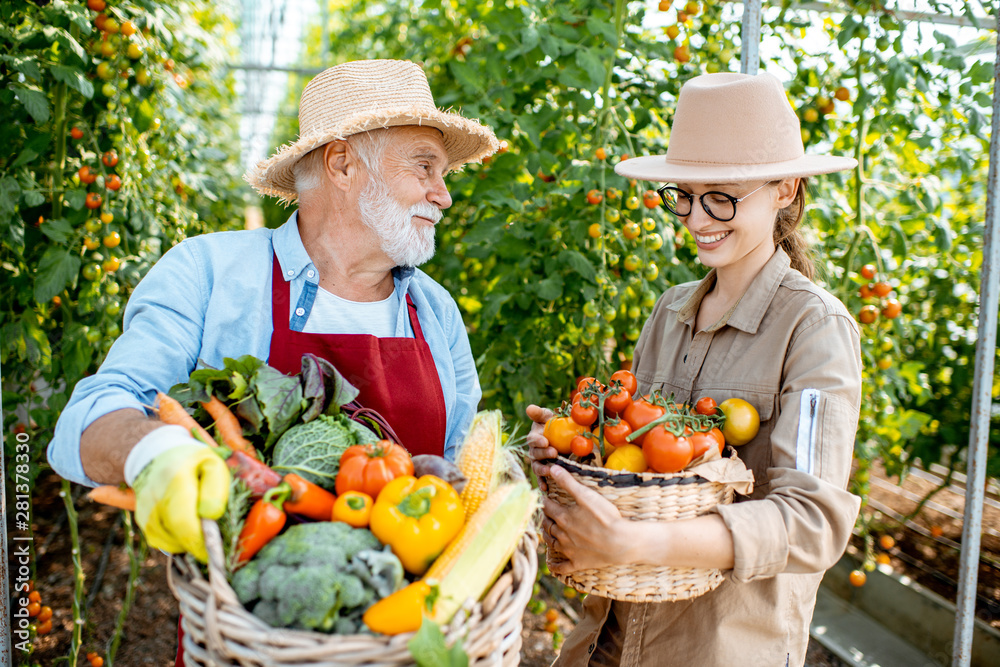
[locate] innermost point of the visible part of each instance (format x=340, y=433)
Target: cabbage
x=312, y=450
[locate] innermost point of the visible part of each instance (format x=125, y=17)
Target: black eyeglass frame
x=690, y=197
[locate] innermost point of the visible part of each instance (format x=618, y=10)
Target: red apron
x=396, y=377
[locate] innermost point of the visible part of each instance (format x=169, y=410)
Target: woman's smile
x=705, y=240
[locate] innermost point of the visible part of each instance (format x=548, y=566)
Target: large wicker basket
x=652, y=497
x=219, y=631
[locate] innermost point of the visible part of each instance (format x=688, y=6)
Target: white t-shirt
x=333, y=315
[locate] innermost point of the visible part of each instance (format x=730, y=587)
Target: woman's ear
x=340, y=164
x=786, y=190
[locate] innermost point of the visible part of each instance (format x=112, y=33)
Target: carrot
x=228, y=427
x=170, y=411
x=122, y=498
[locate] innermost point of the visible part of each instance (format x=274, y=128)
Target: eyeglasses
x=718, y=205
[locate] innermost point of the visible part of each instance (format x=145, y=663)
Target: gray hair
x=369, y=146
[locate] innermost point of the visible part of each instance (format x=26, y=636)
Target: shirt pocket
x=756, y=454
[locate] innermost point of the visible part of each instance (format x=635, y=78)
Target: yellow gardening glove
x=183, y=483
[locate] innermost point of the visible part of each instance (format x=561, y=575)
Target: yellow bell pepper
x=403, y=611
x=417, y=518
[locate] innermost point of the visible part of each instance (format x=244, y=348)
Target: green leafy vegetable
x=313, y=450
x=428, y=648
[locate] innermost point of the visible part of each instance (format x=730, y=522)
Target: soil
x=149, y=634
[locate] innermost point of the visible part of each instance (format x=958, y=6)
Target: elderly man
x=337, y=280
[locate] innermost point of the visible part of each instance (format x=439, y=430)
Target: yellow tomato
x=742, y=421
x=628, y=458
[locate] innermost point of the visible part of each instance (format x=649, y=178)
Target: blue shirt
x=209, y=297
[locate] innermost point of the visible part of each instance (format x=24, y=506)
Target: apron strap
x=279, y=297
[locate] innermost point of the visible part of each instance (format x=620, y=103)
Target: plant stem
x=59, y=160
x=78, y=576
x=133, y=582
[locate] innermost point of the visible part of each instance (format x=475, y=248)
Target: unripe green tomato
x=111, y=289
x=651, y=272
x=93, y=335
x=590, y=309
x=113, y=308
x=634, y=312
x=93, y=225
x=588, y=337
x=649, y=224
x=610, y=314
x=92, y=272
x=109, y=89
x=632, y=333
x=610, y=290
x=654, y=242
x=648, y=298
x=607, y=331
x=113, y=330
x=593, y=326
x=613, y=215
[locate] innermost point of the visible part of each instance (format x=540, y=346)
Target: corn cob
x=481, y=459
x=475, y=558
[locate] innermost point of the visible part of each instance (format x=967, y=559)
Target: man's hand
x=538, y=447
x=183, y=483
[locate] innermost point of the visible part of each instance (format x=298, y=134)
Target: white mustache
x=423, y=210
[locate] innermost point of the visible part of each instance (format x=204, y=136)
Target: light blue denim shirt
x=209, y=297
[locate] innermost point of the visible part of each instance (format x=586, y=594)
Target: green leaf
x=549, y=289
x=73, y=78
x=34, y=102
x=576, y=261
x=10, y=192
x=428, y=648
x=605, y=29
x=143, y=115
x=33, y=198
x=75, y=198
x=26, y=66
x=59, y=230
x=26, y=156
x=57, y=269
x=465, y=76
x=593, y=65
x=280, y=398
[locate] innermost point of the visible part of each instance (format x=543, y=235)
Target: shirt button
x=290, y=272
x=300, y=311
x=311, y=273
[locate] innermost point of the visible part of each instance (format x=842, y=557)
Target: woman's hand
x=591, y=534
x=538, y=447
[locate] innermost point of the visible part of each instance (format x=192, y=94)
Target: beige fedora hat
x=365, y=95
x=731, y=128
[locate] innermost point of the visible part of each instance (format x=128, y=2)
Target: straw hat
x=731, y=128
x=365, y=95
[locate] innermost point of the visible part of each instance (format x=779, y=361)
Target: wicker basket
x=219, y=631
x=649, y=497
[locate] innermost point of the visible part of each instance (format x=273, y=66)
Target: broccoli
x=318, y=576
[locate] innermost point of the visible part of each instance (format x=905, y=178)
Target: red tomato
x=113, y=182
x=93, y=200
x=629, y=383
x=618, y=402
x=581, y=445
x=721, y=439
x=868, y=271
x=110, y=158
x=640, y=413
x=589, y=382
x=86, y=175
x=616, y=432
x=705, y=406
x=665, y=452
x=702, y=442
x=584, y=411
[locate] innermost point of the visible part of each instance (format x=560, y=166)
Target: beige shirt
x=792, y=350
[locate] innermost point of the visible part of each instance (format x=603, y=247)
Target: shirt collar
x=288, y=248
x=749, y=310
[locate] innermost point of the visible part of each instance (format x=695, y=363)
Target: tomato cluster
x=41, y=614
x=612, y=426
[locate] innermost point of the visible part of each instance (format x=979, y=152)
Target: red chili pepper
x=263, y=523
x=308, y=499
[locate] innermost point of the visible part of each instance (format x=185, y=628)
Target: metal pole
x=5, y=591
x=989, y=296
x=750, y=38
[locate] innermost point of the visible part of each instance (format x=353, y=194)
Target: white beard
x=401, y=240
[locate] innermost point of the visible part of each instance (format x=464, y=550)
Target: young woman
x=757, y=328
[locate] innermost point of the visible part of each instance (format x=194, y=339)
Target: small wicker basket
x=219, y=631
x=648, y=496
